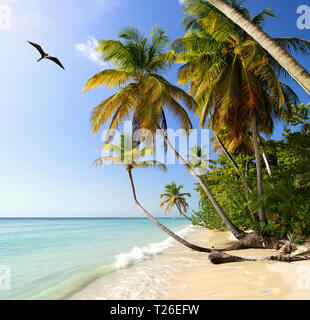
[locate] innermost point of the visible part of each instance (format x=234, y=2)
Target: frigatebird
x=45, y=55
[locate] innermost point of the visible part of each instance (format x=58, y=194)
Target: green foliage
x=299, y=115
x=288, y=208
x=286, y=196
x=230, y=190
x=207, y=217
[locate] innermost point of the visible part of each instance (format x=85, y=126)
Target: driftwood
x=290, y=257
x=218, y=257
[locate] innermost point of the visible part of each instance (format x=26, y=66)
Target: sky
x=46, y=144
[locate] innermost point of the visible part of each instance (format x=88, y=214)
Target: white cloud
x=88, y=49
x=181, y=2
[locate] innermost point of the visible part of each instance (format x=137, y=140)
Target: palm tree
x=275, y=48
x=173, y=196
x=144, y=93
x=132, y=159
x=233, y=79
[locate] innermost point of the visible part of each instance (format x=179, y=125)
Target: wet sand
x=180, y=273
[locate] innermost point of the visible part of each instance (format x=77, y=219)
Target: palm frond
x=294, y=45
x=107, y=109
x=116, y=52
x=159, y=42
x=151, y=163
x=160, y=63
x=132, y=35
x=260, y=18
x=110, y=78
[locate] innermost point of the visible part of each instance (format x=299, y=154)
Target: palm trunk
x=183, y=214
x=265, y=158
x=298, y=72
x=231, y=227
x=233, y=162
x=161, y=226
x=262, y=216
x=246, y=168
x=267, y=163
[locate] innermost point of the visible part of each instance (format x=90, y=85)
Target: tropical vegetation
x=287, y=191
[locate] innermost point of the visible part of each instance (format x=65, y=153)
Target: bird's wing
x=38, y=47
x=56, y=61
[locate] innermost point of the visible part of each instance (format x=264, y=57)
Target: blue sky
x=46, y=143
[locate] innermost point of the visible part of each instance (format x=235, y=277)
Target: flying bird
x=45, y=55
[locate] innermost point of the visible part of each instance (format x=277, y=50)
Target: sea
x=58, y=258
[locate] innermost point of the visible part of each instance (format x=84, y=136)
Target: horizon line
x=89, y=218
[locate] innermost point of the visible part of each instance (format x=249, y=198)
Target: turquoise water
x=51, y=258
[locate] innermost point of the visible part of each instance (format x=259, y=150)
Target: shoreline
x=181, y=274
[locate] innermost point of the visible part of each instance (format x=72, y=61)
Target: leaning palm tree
x=233, y=79
x=173, y=196
x=275, y=48
x=131, y=158
x=144, y=94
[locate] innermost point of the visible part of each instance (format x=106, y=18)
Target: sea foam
x=138, y=254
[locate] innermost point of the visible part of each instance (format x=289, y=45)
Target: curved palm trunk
x=298, y=72
x=231, y=227
x=183, y=214
x=161, y=226
x=262, y=216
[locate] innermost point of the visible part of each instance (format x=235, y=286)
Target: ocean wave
x=138, y=254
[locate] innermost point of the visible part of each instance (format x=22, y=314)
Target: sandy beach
x=179, y=273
